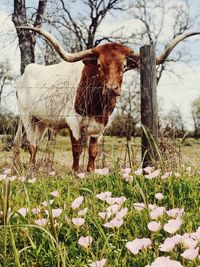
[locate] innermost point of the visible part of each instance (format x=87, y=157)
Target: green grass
x=23, y=243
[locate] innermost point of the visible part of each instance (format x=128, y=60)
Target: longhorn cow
x=80, y=93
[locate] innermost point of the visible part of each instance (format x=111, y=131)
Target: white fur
x=47, y=93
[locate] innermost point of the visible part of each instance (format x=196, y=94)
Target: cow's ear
x=90, y=60
x=132, y=63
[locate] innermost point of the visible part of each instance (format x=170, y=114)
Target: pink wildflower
x=196, y=235
x=102, y=196
x=44, y=203
x=190, y=253
x=85, y=241
x=22, y=178
x=12, y=178
x=112, y=209
x=172, y=226
x=126, y=170
x=127, y=177
x=120, y=200
x=153, y=175
x=189, y=242
x=7, y=171
x=138, y=171
x=105, y=215
x=81, y=175
x=175, y=212
x=100, y=263
x=164, y=262
x=148, y=169
x=32, y=181
x=56, y=212
x=78, y=221
x=177, y=174
x=189, y=169
x=139, y=206
x=152, y=206
x=122, y=213
x=137, y=244
x=159, y=196
x=110, y=200
x=154, y=226
x=23, y=211
x=113, y=200
x=82, y=212
x=157, y=212
x=54, y=193
x=103, y=171
x=114, y=223
x=52, y=173
x=166, y=175
x=77, y=202
x=41, y=222
x=35, y=211
x=170, y=243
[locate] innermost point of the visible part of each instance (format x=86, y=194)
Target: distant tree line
x=126, y=124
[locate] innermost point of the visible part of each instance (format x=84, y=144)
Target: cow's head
x=111, y=61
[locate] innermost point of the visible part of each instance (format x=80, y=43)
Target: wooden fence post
x=149, y=117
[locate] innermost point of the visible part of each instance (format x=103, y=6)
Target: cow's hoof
x=90, y=169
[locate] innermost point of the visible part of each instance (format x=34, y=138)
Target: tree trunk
x=27, y=39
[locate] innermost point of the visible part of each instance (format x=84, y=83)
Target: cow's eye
x=99, y=66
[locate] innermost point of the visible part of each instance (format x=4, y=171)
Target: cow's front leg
x=93, y=151
x=33, y=151
x=76, y=152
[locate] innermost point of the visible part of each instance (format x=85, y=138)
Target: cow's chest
x=91, y=127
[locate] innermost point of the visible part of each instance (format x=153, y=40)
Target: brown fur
x=90, y=100
x=95, y=94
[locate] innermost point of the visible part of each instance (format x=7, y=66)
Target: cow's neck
x=89, y=100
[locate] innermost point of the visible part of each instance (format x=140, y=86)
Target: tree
x=5, y=77
x=128, y=109
x=27, y=39
x=159, y=21
x=79, y=29
x=123, y=126
x=174, y=121
x=196, y=117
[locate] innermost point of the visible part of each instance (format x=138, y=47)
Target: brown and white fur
x=80, y=96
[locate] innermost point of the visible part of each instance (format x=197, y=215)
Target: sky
x=179, y=88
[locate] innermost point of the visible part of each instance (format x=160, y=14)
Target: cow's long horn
x=70, y=57
x=161, y=58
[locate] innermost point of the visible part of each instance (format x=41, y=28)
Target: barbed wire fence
x=114, y=152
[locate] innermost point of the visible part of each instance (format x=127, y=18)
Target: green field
x=34, y=233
